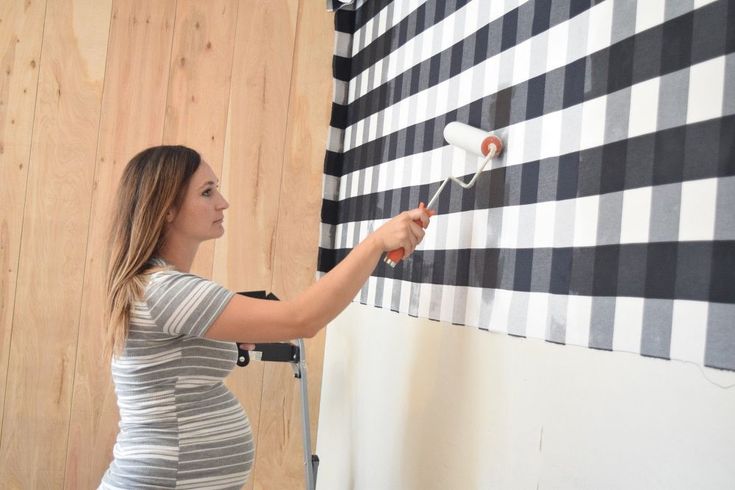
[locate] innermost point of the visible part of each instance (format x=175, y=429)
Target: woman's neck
x=180, y=255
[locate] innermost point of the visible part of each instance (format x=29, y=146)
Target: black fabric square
x=723, y=272
x=583, y=269
x=561, y=270
x=434, y=66
x=481, y=38
x=529, y=182
x=455, y=67
x=709, y=32
x=461, y=268
x=631, y=271
x=639, y=162
x=726, y=148
x=701, y=149
x=510, y=27
x=590, y=171
x=614, y=160
x=490, y=277
x=574, y=77
x=541, y=16
x=523, y=268
x=647, y=54
x=661, y=270
x=598, y=65
x=535, y=100
x=605, y=281
x=621, y=61
x=677, y=42
x=668, y=161
x=576, y=7
x=500, y=103
x=566, y=182
x=694, y=267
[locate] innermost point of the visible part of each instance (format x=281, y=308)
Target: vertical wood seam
x=86, y=248
x=278, y=207
x=170, y=65
x=22, y=221
x=227, y=119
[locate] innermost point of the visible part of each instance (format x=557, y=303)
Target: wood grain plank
x=253, y=160
x=199, y=88
x=21, y=34
x=133, y=113
x=55, y=225
x=280, y=459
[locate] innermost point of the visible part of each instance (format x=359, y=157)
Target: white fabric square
x=635, y=223
x=593, y=123
x=698, y=207
x=508, y=233
x=545, y=220
x=643, y=107
x=628, y=324
x=579, y=313
x=557, y=54
x=500, y=311
x=538, y=315
x=585, y=221
x=689, y=330
x=706, y=89
x=649, y=13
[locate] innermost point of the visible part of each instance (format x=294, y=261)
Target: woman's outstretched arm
x=252, y=320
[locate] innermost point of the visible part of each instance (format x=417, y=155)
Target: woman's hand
x=403, y=231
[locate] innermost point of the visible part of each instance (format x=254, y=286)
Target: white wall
x=414, y=404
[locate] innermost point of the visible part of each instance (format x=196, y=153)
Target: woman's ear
x=170, y=215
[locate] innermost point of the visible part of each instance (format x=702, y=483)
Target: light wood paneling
x=199, y=87
x=280, y=458
x=21, y=30
x=253, y=161
x=91, y=83
x=53, y=245
x=133, y=112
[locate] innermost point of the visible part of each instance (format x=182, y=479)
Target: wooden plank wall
x=84, y=85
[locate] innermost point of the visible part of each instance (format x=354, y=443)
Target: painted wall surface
x=415, y=404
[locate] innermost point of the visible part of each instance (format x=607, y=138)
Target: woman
x=172, y=334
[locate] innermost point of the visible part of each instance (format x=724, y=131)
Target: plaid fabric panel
x=609, y=221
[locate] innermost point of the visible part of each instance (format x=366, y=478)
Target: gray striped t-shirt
x=180, y=427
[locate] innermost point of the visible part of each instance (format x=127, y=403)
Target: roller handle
x=394, y=256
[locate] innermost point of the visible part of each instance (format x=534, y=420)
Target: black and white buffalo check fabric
x=609, y=221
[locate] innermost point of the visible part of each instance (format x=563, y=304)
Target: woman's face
x=201, y=213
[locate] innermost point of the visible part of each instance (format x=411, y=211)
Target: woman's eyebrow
x=209, y=182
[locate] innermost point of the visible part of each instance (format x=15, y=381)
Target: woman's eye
x=207, y=193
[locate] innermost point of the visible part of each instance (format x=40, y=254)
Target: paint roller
x=471, y=139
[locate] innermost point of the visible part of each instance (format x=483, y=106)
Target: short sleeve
x=184, y=304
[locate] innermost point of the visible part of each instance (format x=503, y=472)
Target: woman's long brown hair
x=153, y=183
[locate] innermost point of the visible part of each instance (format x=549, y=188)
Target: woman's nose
x=223, y=204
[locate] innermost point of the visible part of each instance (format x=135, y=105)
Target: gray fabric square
x=547, y=178
x=609, y=218
x=564, y=223
x=557, y=326
x=665, y=207
x=518, y=316
x=656, y=330
x=602, y=323
x=616, y=115
x=674, y=89
x=725, y=211
x=541, y=270
x=720, y=346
